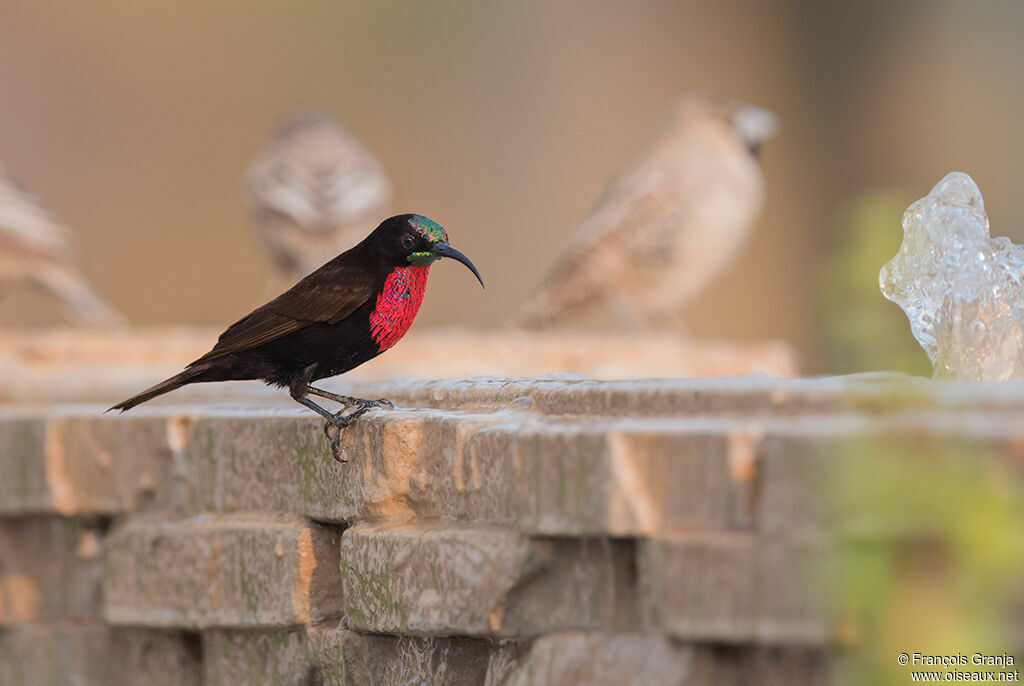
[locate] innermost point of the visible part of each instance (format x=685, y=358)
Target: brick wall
x=494, y=533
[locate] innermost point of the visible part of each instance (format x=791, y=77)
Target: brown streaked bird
x=668, y=223
x=314, y=192
x=36, y=251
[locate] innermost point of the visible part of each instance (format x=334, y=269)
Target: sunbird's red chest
x=397, y=305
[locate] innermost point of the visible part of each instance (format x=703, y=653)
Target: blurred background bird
x=667, y=224
x=314, y=192
x=36, y=252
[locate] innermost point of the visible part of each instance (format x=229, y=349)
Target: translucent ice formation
x=962, y=290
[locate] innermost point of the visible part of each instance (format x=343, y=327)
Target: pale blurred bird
x=314, y=191
x=36, y=251
x=668, y=223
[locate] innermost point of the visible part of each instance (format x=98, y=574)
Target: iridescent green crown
x=428, y=229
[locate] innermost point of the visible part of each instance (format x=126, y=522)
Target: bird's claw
x=333, y=427
x=335, y=439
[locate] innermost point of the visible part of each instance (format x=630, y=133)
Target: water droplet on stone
x=523, y=402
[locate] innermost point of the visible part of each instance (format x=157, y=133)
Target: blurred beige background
x=135, y=121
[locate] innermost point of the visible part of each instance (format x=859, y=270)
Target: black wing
x=328, y=295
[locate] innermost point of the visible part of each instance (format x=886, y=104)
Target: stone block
x=432, y=465
x=50, y=568
x=45, y=655
x=240, y=658
x=734, y=588
x=635, y=478
x=726, y=665
x=275, y=461
x=340, y=657
x=598, y=659
x=102, y=465
x=454, y=580
x=402, y=465
x=90, y=654
x=24, y=483
x=240, y=570
x=154, y=658
x=796, y=472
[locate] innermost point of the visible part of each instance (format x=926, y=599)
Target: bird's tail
x=177, y=381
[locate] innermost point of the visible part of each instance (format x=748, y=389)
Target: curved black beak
x=444, y=250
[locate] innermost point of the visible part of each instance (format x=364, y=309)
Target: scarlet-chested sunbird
x=346, y=312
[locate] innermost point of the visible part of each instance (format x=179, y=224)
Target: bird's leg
x=348, y=400
x=336, y=421
x=331, y=417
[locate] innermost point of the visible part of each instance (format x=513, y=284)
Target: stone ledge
x=544, y=475
x=239, y=570
x=876, y=395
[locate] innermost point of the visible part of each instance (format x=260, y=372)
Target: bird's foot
x=363, y=403
x=379, y=402
x=340, y=420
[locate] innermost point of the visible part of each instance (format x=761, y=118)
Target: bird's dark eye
x=408, y=241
